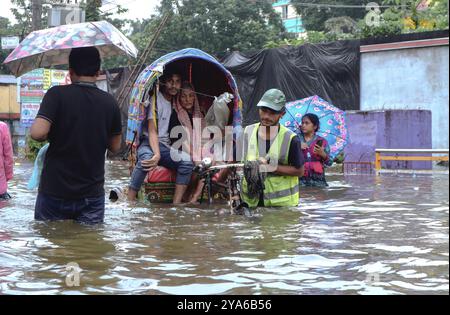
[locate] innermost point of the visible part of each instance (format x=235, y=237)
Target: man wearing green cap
x=278, y=151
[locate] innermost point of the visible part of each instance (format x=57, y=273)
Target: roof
x=7, y=79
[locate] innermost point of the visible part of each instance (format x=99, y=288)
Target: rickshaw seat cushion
x=161, y=174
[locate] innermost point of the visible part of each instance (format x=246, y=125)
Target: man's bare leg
x=179, y=193
x=132, y=195
x=198, y=192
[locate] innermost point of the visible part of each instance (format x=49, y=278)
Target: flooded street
x=363, y=235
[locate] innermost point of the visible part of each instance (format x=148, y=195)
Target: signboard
x=28, y=113
x=60, y=77
x=10, y=42
x=65, y=15
x=33, y=87
x=47, y=80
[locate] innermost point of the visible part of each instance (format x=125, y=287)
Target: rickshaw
x=210, y=79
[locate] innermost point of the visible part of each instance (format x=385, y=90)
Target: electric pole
x=36, y=6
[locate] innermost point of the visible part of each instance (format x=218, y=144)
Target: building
x=409, y=73
x=291, y=20
x=10, y=109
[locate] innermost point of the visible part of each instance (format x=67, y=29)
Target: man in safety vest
x=278, y=151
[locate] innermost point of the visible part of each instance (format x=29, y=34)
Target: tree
x=93, y=12
x=23, y=13
x=215, y=26
x=315, y=13
x=341, y=25
x=6, y=29
x=408, y=16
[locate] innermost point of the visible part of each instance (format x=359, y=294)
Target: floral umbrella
x=51, y=47
x=332, y=121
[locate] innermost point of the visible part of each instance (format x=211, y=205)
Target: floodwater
x=363, y=235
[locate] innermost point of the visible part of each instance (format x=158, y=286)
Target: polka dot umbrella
x=332, y=121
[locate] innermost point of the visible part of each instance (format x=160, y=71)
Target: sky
x=137, y=9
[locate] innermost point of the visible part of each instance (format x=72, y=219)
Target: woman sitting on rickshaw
x=187, y=114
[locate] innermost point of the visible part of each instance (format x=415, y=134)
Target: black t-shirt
x=83, y=119
x=175, y=122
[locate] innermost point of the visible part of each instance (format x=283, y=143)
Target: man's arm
x=115, y=143
x=153, y=138
x=46, y=116
x=286, y=170
x=296, y=161
x=154, y=145
x=40, y=129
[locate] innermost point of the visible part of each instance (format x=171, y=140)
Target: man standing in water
x=81, y=122
x=155, y=146
x=278, y=149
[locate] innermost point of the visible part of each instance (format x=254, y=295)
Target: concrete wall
x=414, y=78
x=392, y=129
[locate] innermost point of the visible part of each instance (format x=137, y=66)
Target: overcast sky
x=137, y=9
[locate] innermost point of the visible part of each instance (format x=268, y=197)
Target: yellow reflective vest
x=280, y=190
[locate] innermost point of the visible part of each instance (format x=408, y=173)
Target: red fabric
x=315, y=157
x=316, y=167
x=6, y=158
x=161, y=175
x=164, y=175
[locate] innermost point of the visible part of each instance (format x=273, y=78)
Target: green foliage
x=93, y=12
x=312, y=37
x=341, y=25
x=314, y=17
x=214, y=26
x=23, y=14
x=33, y=148
x=402, y=16
x=6, y=29
x=22, y=11
x=218, y=26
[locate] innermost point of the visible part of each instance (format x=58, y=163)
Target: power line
x=348, y=6
x=117, y=5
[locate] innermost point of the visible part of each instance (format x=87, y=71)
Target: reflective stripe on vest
x=282, y=193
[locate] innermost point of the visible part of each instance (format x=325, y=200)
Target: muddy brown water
x=362, y=235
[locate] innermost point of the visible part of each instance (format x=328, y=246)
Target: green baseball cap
x=273, y=99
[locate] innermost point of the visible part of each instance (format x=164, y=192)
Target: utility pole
x=36, y=6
